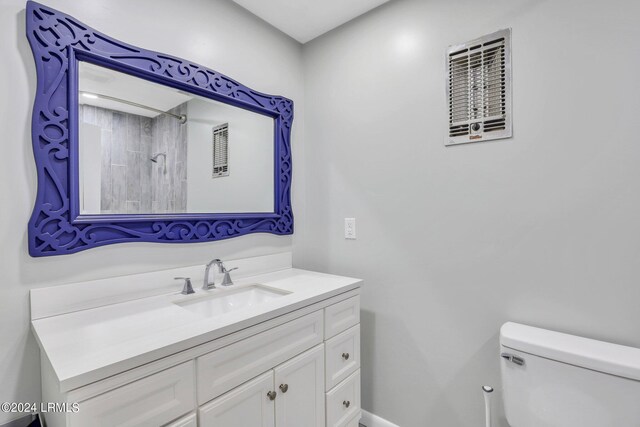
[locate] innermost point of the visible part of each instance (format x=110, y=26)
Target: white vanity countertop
x=89, y=345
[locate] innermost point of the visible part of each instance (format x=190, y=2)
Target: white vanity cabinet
x=298, y=369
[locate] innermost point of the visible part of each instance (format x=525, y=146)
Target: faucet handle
x=187, y=288
x=226, y=281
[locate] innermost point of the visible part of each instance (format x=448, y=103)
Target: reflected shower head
x=155, y=157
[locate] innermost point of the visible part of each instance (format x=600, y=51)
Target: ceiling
x=305, y=20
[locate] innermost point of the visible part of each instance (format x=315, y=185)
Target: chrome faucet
x=210, y=284
x=226, y=281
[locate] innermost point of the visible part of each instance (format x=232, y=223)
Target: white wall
x=214, y=33
x=249, y=185
x=453, y=241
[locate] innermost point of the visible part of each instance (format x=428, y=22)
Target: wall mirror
x=148, y=148
x=134, y=145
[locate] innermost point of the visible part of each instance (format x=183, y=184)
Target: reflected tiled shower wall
x=169, y=190
x=130, y=181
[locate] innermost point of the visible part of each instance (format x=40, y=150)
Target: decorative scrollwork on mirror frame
x=58, y=42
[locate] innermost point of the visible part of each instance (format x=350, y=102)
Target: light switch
x=350, y=228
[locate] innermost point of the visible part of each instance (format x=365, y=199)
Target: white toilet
x=551, y=379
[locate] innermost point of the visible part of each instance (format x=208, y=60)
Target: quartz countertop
x=89, y=345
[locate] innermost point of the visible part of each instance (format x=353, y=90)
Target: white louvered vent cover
x=221, y=151
x=479, y=89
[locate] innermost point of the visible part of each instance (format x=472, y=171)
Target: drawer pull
x=284, y=387
x=272, y=395
x=346, y=403
x=345, y=356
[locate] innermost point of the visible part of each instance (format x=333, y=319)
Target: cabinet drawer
x=188, y=421
x=152, y=401
x=343, y=401
x=341, y=316
x=228, y=367
x=342, y=355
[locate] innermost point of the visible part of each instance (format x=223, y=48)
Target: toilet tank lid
x=599, y=356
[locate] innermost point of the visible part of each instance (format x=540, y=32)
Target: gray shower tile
x=165, y=140
x=105, y=151
x=181, y=153
x=166, y=196
x=106, y=198
x=118, y=188
x=159, y=206
x=133, y=132
x=133, y=207
x=145, y=202
x=154, y=135
x=171, y=187
x=146, y=146
x=119, y=139
x=104, y=118
x=105, y=170
x=181, y=171
x=146, y=126
x=181, y=203
x=134, y=186
x=145, y=185
x=154, y=183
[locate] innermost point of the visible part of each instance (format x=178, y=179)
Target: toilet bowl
x=551, y=379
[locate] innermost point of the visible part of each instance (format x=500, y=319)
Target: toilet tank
x=551, y=379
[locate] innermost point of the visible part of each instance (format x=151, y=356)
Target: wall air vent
x=221, y=151
x=479, y=89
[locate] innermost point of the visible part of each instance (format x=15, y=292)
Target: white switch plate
x=350, y=228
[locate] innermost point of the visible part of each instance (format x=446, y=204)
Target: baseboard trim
x=371, y=420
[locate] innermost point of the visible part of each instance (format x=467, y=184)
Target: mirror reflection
x=145, y=148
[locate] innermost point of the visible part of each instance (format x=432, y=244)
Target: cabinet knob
x=345, y=356
x=346, y=403
x=284, y=387
x=272, y=395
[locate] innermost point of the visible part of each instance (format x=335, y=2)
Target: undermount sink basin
x=230, y=300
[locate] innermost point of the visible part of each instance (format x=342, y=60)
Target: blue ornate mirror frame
x=59, y=42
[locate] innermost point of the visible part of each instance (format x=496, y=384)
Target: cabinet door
x=300, y=387
x=245, y=406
